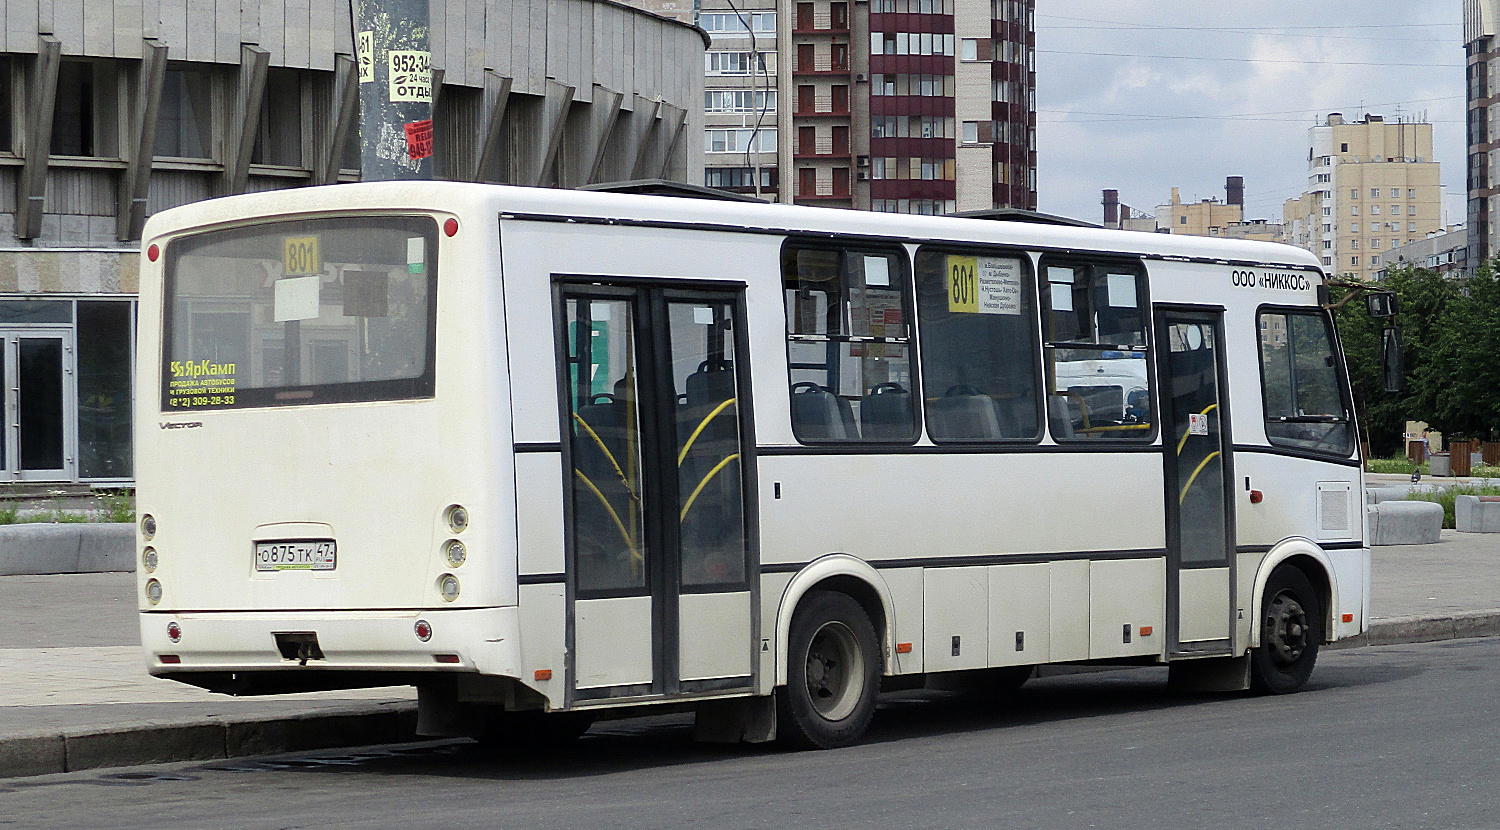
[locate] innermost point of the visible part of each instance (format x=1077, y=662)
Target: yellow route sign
x=301, y=256
x=963, y=284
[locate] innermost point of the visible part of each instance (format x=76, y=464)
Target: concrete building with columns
x=111, y=110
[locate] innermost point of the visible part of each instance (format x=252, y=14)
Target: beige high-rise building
x=1372, y=185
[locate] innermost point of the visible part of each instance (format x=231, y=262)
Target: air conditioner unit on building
x=860, y=77
x=862, y=161
x=863, y=175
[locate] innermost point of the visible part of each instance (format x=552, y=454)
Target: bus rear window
x=299, y=312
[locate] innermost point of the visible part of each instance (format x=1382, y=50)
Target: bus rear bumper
x=385, y=643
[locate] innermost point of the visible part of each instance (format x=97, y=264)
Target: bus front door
x=1199, y=469
x=661, y=555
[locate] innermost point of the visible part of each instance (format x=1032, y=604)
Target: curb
x=208, y=740
x=397, y=722
x=1397, y=630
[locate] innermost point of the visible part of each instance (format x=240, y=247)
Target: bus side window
x=979, y=346
x=1303, y=386
x=848, y=345
x=1097, y=364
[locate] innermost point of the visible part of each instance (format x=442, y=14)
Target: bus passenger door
x=660, y=551
x=1199, y=469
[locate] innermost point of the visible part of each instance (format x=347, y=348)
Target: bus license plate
x=314, y=555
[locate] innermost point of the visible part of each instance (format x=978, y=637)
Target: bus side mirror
x=1382, y=305
x=1393, y=364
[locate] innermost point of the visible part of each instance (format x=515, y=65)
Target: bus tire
x=1291, y=620
x=833, y=673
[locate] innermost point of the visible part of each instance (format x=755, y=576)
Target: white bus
x=543, y=453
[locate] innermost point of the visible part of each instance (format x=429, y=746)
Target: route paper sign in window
x=984, y=285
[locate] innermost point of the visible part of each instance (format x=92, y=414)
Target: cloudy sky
x=1144, y=96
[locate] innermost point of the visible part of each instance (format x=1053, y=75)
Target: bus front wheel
x=1291, y=629
x=833, y=673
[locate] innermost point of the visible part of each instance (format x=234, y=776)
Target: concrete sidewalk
x=74, y=692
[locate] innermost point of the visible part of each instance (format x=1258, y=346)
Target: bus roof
x=634, y=209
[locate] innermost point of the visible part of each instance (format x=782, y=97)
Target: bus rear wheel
x=1291, y=630
x=833, y=673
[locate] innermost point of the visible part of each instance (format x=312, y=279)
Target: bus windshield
x=298, y=312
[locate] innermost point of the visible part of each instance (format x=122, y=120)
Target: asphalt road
x=1392, y=737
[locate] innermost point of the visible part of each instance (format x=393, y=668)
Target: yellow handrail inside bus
x=1114, y=428
x=635, y=554
x=1185, y=433
x=630, y=490
x=1204, y=463
x=687, y=445
x=704, y=483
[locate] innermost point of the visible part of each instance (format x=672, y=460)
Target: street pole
x=392, y=45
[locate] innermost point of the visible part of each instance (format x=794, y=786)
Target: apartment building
x=1205, y=217
x=1372, y=185
x=1446, y=252
x=912, y=106
x=1481, y=24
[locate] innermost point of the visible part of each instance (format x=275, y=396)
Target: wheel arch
x=847, y=575
x=1306, y=556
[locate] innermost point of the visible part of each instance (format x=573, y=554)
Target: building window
x=1411, y=227
x=735, y=63
x=1327, y=210
x=739, y=141
x=1182, y=220
x=1354, y=244
x=718, y=23
x=7, y=121
x=1395, y=210
x=85, y=118
x=1354, y=193
x=1327, y=260
x=1374, y=244
x=184, y=128
x=1395, y=193
x=1374, y=260
x=1411, y=193
x=1354, y=260
x=104, y=391
x=745, y=100
x=1411, y=210
x=971, y=132
x=1354, y=210
x=1327, y=244
x=278, y=139
x=1374, y=210
x=732, y=177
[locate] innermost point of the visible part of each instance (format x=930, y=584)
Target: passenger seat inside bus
x=963, y=414
x=886, y=414
x=820, y=415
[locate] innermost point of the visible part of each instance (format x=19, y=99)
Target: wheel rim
x=1286, y=632
x=835, y=671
